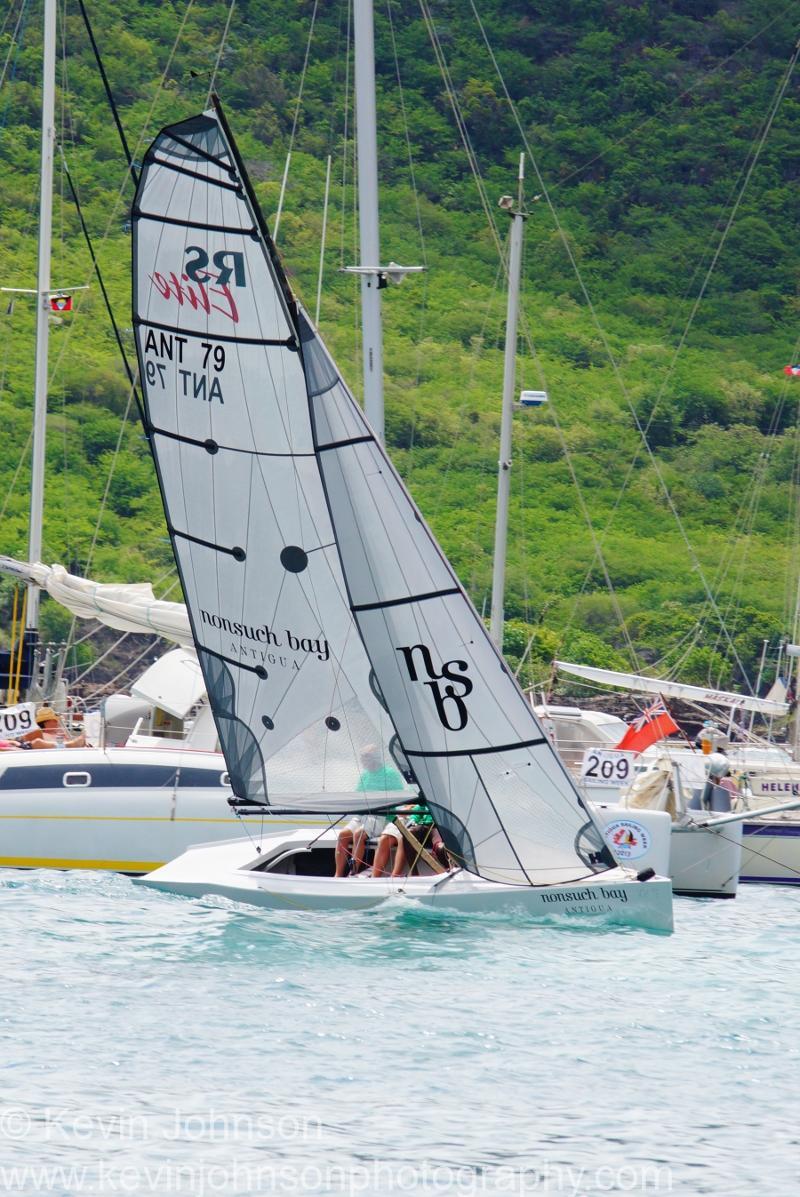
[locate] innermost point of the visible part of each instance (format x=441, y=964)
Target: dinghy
x=315, y=589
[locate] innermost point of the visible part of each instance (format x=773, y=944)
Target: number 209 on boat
x=606, y=767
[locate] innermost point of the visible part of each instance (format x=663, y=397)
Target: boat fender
x=645, y=875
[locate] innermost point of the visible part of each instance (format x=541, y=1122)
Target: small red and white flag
x=60, y=303
x=793, y=370
x=655, y=723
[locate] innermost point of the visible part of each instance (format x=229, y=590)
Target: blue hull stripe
x=111, y=776
x=771, y=880
x=770, y=829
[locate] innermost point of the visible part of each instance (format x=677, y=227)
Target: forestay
x=297, y=543
x=227, y=417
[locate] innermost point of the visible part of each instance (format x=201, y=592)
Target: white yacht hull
x=702, y=862
x=771, y=851
x=235, y=871
x=122, y=809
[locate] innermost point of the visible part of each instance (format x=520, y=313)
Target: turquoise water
x=151, y=1044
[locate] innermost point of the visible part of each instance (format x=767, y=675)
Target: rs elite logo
x=205, y=284
x=449, y=698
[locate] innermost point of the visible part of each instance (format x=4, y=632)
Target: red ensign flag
x=653, y=725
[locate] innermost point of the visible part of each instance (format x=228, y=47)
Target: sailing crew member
x=376, y=777
x=419, y=821
x=720, y=790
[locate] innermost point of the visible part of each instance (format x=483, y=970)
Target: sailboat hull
x=129, y=810
x=235, y=870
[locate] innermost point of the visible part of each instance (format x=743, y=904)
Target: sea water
x=155, y=1044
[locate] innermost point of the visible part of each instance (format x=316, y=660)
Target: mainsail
x=306, y=567
x=227, y=418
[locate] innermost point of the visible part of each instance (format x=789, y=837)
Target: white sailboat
x=759, y=840
x=309, y=574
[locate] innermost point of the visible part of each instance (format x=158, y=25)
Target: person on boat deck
x=49, y=729
x=720, y=790
x=376, y=777
x=419, y=821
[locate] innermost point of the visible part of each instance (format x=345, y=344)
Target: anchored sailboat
x=310, y=575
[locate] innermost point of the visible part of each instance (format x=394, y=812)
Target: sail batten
x=191, y=174
x=250, y=233
x=410, y=598
x=284, y=343
x=487, y=751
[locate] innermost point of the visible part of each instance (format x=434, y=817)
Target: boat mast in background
x=374, y=277
x=42, y=322
x=371, y=280
x=518, y=217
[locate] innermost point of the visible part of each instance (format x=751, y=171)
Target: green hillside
x=654, y=501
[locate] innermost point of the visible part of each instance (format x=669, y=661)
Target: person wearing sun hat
x=48, y=732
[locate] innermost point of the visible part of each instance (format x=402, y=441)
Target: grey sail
x=308, y=572
x=504, y=802
x=228, y=422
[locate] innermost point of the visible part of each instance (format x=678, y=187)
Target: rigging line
x=13, y=44
x=113, y=212
x=707, y=75
x=109, y=94
x=22, y=459
x=7, y=18
x=423, y=254
x=114, y=208
x=593, y=534
x=223, y=40
x=122, y=673
x=345, y=124
x=481, y=189
x=298, y=106
x=477, y=349
x=112, y=467
x=741, y=534
x=601, y=331
x=98, y=273
x=747, y=171
x=461, y=126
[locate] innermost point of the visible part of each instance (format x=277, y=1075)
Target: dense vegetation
x=653, y=514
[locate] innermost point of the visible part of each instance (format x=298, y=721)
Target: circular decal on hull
x=627, y=839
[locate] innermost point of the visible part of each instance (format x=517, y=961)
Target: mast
x=366, y=129
x=509, y=370
x=42, y=316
